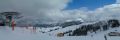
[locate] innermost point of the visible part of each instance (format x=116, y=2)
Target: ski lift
x=9, y=17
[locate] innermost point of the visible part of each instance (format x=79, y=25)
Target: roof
x=9, y=13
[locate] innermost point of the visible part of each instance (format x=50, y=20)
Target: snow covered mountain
x=62, y=24
x=54, y=33
x=83, y=29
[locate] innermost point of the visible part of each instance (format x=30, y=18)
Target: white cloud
x=117, y=1
x=111, y=11
x=49, y=10
x=52, y=10
x=44, y=10
x=108, y=11
x=39, y=6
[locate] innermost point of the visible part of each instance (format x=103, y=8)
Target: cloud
x=6, y=5
x=48, y=10
x=39, y=6
x=108, y=12
x=117, y=1
x=44, y=11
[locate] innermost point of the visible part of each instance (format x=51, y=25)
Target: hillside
x=51, y=33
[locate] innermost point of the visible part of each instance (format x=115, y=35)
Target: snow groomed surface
x=21, y=33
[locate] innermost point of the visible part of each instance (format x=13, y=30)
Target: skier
x=105, y=37
x=13, y=25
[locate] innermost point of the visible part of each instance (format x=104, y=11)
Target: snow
x=48, y=29
x=79, y=19
x=21, y=33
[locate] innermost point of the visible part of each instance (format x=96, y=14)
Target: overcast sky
x=59, y=10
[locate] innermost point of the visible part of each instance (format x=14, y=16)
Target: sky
x=47, y=11
x=90, y=4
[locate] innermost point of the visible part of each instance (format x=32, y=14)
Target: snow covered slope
x=50, y=33
x=23, y=34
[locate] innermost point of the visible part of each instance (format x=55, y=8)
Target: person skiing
x=105, y=37
x=13, y=25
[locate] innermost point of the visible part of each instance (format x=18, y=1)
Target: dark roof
x=10, y=13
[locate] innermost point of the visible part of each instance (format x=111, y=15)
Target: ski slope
x=27, y=34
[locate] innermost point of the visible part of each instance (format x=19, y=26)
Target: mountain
x=50, y=33
x=83, y=29
x=61, y=24
x=94, y=27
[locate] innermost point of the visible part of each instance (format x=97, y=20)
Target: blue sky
x=90, y=4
